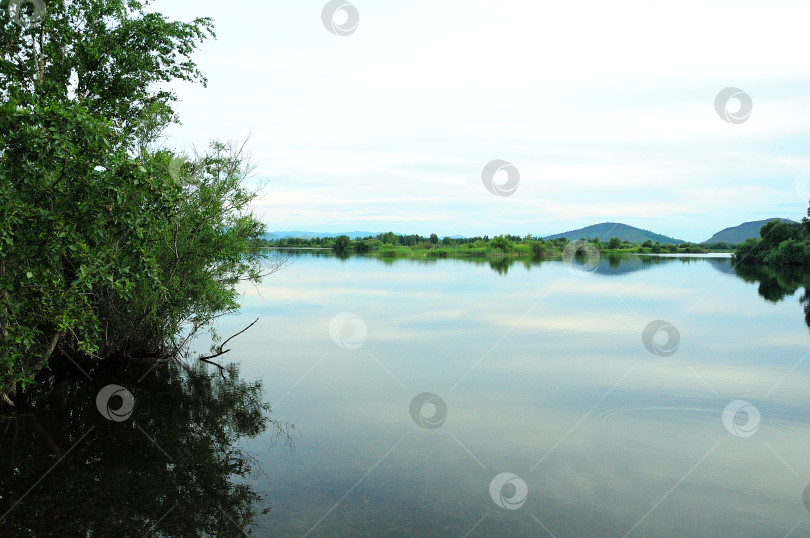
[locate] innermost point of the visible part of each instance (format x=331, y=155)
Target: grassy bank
x=389, y=245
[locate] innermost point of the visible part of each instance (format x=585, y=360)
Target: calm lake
x=653, y=396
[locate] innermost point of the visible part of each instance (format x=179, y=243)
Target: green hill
x=606, y=230
x=738, y=234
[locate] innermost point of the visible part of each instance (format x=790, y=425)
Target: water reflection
x=174, y=468
x=775, y=283
x=778, y=283
x=544, y=374
x=612, y=264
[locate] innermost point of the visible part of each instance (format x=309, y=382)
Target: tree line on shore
x=390, y=244
x=779, y=244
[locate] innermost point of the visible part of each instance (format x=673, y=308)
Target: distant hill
x=738, y=234
x=606, y=230
x=310, y=235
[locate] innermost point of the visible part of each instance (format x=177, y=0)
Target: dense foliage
x=109, y=246
x=390, y=244
x=780, y=243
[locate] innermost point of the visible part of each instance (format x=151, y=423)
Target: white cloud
x=606, y=109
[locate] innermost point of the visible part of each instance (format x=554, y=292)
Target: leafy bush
x=789, y=252
x=114, y=254
x=538, y=248
x=109, y=247
x=342, y=243
x=502, y=243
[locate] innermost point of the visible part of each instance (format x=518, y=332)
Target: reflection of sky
x=520, y=359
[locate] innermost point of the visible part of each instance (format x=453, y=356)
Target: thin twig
x=224, y=351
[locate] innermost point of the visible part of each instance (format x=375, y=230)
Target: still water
x=451, y=398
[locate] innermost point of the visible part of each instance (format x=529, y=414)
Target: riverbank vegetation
x=390, y=245
x=780, y=244
x=111, y=246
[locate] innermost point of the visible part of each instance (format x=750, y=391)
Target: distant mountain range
x=738, y=234
x=310, y=235
x=606, y=230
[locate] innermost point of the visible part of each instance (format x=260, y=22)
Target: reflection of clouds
x=539, y=382
x=719, y=307
x=599, y=364
x=592, y=323
x=610, y=469
x=613, y=288
x=305, y=294
x=438, y=315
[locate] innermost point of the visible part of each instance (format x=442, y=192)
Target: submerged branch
x=222, y=351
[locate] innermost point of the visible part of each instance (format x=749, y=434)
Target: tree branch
x=222, y=351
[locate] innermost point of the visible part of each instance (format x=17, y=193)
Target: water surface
x=543, y=373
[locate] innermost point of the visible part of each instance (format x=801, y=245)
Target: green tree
x=538, y=248
x=776, y=231
x=434, y=239
x=410, y=240
x=614, y=243
x=109, y=246
x=114, y=57
x=502, y=243
x=342, y=243
x=389, y=238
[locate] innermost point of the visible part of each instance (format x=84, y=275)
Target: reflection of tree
x=116, y=481
x=776, y=283
x=611, y=265
x=500, y=264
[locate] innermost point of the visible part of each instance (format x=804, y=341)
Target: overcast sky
x=606, y=109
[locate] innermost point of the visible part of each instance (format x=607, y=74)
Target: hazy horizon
x=375, y=232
